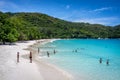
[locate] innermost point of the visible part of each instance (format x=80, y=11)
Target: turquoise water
x=80, y=57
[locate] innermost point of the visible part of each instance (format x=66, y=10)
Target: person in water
x=54, y=51
x=48, y=54
x=38, y=50
x=76, y=50
x=107, y=62
x=100, y=60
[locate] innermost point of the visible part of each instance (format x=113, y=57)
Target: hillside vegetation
x=29, y=26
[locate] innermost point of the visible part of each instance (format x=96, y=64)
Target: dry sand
x=24, y=70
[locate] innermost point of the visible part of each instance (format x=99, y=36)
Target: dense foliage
x=29, y=26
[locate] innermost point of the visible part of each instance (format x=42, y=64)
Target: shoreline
x=24, y=70
x=54, y=70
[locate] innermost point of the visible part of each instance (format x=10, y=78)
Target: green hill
x=29, y=26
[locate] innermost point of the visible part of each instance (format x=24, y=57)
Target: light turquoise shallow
x=84, y=64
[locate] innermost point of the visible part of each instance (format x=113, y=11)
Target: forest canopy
x=29, y=26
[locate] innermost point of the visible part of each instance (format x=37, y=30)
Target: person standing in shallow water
x=38, y=50
x=76, y=50
x=54, y=51
x=100, y=60
x=107, y=62
x=48, y=54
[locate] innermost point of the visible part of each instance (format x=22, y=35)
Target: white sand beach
x=24, y=70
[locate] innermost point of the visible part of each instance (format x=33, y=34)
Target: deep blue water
x=80, y=57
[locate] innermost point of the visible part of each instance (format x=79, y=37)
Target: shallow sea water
x=80, y=57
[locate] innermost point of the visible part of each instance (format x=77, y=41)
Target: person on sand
x=100, y=60
x=48, y=54
x=30, y=57
x=107, y=62
x=17, y=57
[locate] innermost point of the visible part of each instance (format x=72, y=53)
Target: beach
x=24, y=70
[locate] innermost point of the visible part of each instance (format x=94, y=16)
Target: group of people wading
x=48, y=54
x=107, y=61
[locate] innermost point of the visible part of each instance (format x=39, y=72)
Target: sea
x=81, y=57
